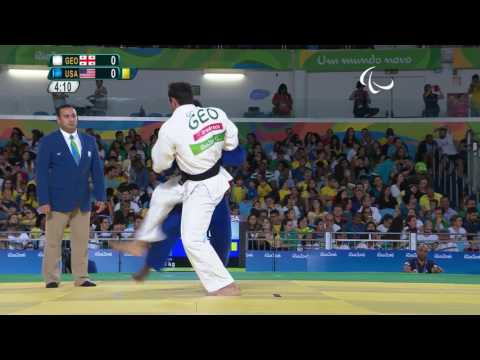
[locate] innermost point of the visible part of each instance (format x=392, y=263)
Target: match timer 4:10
x=63, y=86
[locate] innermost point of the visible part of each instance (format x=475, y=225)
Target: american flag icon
x=88, y=73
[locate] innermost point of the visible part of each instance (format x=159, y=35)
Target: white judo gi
x=195, y=138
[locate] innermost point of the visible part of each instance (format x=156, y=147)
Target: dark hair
x=197, y=103
x=410, y=217
x=182, y=92
x=397, y=225
x=386, y=217
x=359, y=85
x=110, y=191
x=475, y=76
x=455, y=218
x=40, y=217
x=471, y=211
x=64, y=106
x=282, y=87
x=133, y=186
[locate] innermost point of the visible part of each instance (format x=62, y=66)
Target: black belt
x=214, y=170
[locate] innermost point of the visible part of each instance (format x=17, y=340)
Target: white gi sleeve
x=163, y=152
x=231, y=135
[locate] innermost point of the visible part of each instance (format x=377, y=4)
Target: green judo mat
x=241, y=274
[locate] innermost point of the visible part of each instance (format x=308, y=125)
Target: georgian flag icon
x=371, y=83
x=89, y=60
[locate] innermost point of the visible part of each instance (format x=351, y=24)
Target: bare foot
x=229, y=290
x=135, y=248
x=142, y=274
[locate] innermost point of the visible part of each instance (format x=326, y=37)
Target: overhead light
x=28, y=73
x=223, y=76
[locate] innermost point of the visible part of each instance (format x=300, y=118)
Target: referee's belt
x=213, y=171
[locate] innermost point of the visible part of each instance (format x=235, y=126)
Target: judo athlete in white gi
x=195, y=138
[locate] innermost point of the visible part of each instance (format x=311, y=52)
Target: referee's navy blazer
x=62, y=183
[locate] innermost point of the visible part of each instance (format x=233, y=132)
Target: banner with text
x=354, y=60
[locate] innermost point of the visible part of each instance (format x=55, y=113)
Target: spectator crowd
x=289, y=196
x=374, y=189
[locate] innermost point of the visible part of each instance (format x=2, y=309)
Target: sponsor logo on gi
x=328, y=253
x=410, y=255
x=16, y=255
x=471, y=257
x=40, y=254
x=299, y=256
x=270, y=255
x=385, y=255
x=103, y=253
x=356, y=254
x=442, y=256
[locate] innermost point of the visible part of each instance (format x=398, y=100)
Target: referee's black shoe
x=88, y=283
x=52, y=285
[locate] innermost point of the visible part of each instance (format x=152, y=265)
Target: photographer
x=421, y=264
x=431, y=95
x=361, y=102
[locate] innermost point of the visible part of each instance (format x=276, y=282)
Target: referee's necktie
x=75, y=152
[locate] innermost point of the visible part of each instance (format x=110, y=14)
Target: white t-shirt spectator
x=377, y=217
x=295, y=209
x=18, y=242
x=396, y=193
x=447, y=145
x=419, y=224
x=133, y=206
x=351, y=154
x=458, y=235
x=99, y=238
x=335, y=228
x=382, y=228
x=273, y=156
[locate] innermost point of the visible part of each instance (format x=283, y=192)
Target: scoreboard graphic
x=66, y=71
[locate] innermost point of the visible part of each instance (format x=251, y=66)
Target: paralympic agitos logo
x=372, y=85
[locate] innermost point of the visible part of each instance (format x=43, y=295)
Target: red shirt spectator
x=282, y=101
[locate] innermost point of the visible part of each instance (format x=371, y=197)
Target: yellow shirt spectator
x=425, y=200
x=282, y=193
x=35, y=233
x=238, y=194
x=28, y=222
x=474, y=91
x=302, y=186
x=263, y=190
x=328, y=191
x=14, y=195
x=32, y=201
